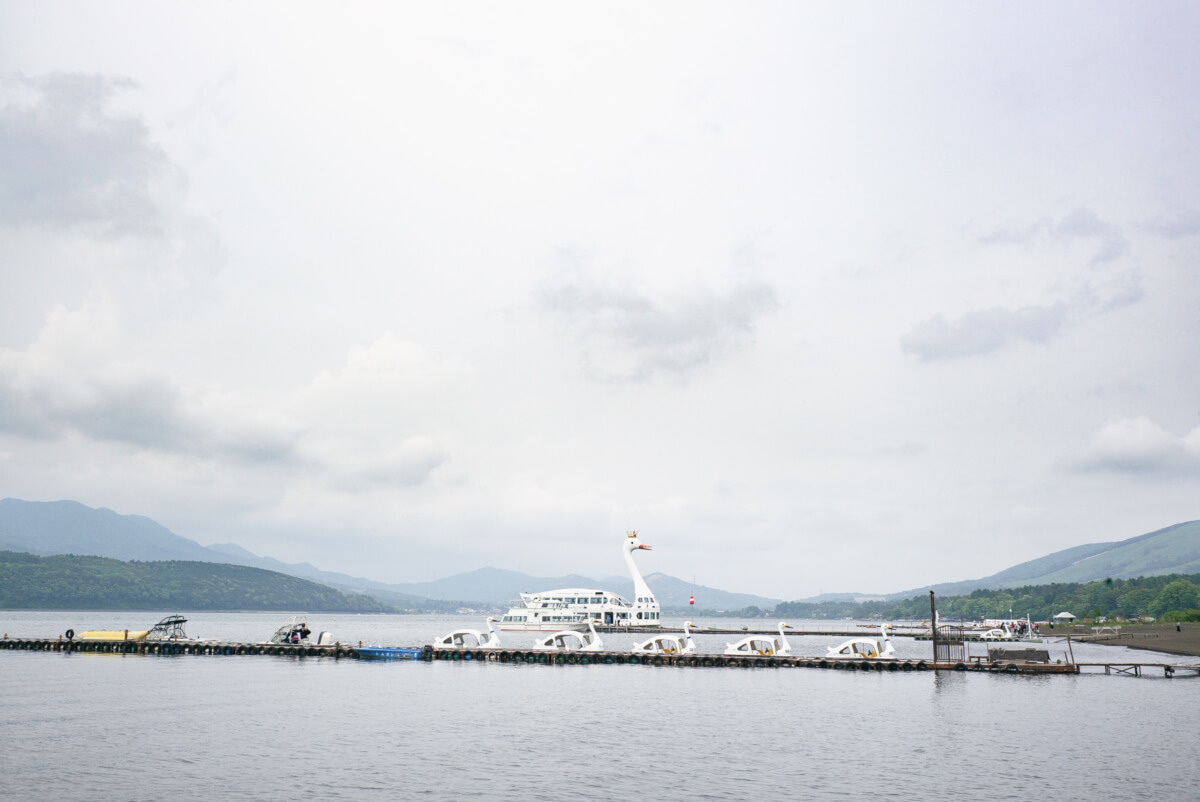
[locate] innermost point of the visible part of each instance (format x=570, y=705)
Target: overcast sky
x=817, y=297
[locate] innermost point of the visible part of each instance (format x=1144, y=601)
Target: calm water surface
x=94, y=726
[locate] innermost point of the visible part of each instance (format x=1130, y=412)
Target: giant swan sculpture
x=668, y=644
x=571, y=641
x=645, y=606
x=762, y=646
x=865, y=648
x=469, y=639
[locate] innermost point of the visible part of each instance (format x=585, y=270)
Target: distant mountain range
x=68, y=527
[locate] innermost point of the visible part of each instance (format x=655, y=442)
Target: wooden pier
x=1138, y=669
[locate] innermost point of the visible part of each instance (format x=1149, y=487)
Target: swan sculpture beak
x=645, y=547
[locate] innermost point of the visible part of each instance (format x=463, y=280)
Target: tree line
x=71, y=582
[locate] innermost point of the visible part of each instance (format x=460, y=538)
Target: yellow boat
x=121, y=634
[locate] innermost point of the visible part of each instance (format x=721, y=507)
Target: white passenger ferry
x=572, y=608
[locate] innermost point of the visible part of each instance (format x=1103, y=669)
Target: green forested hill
x=65, y=582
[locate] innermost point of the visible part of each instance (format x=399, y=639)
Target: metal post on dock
x=933, y=627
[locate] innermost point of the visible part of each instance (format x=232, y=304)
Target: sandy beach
x=1152, y=637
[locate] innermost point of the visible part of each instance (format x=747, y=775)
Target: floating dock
x=427, y=653
x=340, y=651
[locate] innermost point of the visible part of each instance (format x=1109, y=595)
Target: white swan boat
x=570, y=640
x=572, y=608
x=762, y=645
x=865, y=648
x=668, y=644
x=469, y=639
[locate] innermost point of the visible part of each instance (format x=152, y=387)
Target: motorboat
x=168, y=629
x=171, y=629
x=572, y=608
x=470, y=639
x=570, y=640
x=296, y=633
x=668, y=644
x=1010, y=629
x=762, y=645
x=389, y=653
x=865, y=648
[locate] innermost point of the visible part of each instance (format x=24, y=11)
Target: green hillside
x=1172, y=550
x=69, y=582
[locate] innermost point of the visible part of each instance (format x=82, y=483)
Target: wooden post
x=933, y=627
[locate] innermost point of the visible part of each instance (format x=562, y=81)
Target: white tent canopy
x=1064, y=616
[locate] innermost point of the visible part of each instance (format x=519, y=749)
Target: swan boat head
x=645, y=606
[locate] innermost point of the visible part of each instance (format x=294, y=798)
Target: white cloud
x=1139, y=445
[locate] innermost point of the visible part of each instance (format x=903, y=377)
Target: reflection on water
x=131, y=727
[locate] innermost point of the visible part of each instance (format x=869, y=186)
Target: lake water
x=95, y=726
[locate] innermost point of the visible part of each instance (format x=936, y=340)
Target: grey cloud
x=1084, y=224
x=1079, y=224
x=410, y=465
x=630, y=336
x=1183, y=224
x=137, y=409
x=66, y=161
x=983, y=332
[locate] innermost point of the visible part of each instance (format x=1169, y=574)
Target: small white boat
x=668, y=644
x=762, y=645
x=571, y=641
x=1010, y=629
x=296, y=634
x=171, y=629
x=469, y=639
x=865, y=648
x=996, y=634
